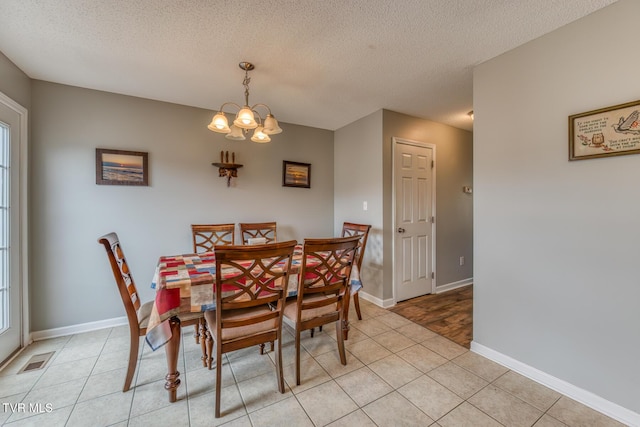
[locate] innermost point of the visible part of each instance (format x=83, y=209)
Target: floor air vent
x=36, y=362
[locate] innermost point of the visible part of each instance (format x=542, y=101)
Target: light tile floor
x=398, y=374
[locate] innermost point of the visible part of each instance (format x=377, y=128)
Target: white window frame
x=23, y=204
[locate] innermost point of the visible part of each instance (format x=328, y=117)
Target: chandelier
x=245, y=119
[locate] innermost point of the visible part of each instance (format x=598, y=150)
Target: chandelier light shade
x=219, y=123
x=235, y=134
x=271, y=126
x=260, y=136
x=247, y=117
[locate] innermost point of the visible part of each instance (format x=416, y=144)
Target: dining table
x=186, y=283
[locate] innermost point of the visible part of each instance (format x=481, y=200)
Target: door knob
x=401, y=230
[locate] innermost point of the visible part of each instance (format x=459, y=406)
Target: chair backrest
x=206, y=236
x=325, y=271
x=122, y=275
x=250, y=276
x=361, y=230
x=267, y=230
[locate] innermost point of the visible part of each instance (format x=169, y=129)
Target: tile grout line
x=315, y=357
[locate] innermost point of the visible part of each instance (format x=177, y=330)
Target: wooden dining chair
x=206, y=236
x=257, y=230
x=137, y=313
x=362, y=231
x=251, y=287
x=323, y=282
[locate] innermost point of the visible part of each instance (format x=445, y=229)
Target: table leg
x=202, y=332
x=172, y=349
x=345, y=314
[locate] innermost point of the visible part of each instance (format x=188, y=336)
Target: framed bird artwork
x=610, y=131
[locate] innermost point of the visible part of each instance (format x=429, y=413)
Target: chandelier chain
x=246, y=82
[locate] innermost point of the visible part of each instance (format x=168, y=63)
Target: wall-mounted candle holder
x=226, y=168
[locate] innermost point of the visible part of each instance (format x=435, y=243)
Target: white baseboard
x=454, y=285
x=391, y=302
x=76, y=329
x=377, y=301
x=578, y=394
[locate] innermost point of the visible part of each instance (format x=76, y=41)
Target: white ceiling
x=320, y=63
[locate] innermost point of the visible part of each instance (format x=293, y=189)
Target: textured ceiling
x=320, y=63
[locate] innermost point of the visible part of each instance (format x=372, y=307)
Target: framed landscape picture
x=120, y=167
x=296, y=174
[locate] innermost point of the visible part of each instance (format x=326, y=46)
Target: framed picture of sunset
x=120, y=167
x=295, y=174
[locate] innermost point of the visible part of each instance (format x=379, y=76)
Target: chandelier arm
x=257, y=114
x=230, y=103
x=261, y=105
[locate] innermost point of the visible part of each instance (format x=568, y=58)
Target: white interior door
x=10, y=279
x=414, y=210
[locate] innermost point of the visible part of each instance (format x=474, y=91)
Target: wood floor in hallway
x=449, y=314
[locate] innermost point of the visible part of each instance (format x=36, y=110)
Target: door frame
x=394, y=142
x=23, y=238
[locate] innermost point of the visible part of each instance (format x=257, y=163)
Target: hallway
x=449, y=314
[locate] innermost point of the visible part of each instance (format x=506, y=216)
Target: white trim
x=23, y=113
x=77, y=329
x=14, y=356
x=377, y=301
x=454, y=285
x=394, y=141
x=585, y=397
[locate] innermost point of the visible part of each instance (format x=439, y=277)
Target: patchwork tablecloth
x=185, y=283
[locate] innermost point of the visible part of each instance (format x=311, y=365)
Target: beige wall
x=454, y=209
x=71, y=282
x=358, y=178
x=14, y=83
x=557, y=242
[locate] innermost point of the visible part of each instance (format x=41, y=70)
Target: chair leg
x=345, y=314
x=133, y=359
x=297, y=356
x=356, y=303
x=262, y=345
x=218, y=377
x=279, y=364
x=343, y=357
x=314, y=329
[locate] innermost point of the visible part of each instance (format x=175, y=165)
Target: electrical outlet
x=461, y=260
